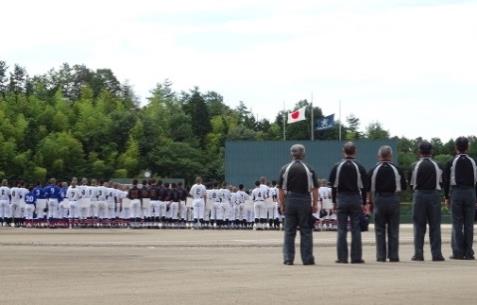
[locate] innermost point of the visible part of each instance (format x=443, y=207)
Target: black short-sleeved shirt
x=348, y=179
x=386, y=178
x=297, y=180
x=464, y=173
x=426, y=177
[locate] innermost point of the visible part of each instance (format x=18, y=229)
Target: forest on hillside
x=76, y=121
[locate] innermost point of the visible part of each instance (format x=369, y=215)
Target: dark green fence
x=246, y=161
x=406, y=214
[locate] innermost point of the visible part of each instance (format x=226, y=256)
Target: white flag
x=297, y=115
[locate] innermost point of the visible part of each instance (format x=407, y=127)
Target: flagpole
x=284, y=123
x=339, y=137
x=312, y=134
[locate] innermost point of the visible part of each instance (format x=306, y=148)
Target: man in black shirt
x=460, y=177
x=349, y=184
x=426, y=179
x=386, y=181
x=299, y=181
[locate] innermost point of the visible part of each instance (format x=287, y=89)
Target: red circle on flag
x=295, y=115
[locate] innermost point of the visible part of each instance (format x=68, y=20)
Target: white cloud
x=383, y=61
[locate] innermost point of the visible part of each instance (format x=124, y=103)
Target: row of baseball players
x=150, y=203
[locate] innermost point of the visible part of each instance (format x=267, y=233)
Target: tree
x=129, y=160
x=3, y=78
x=17, y=80
x=352, y=132
x=375, y=131
x=177, y=160
x=196, y=108
x=61, y=154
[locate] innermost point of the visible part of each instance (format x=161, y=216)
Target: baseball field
x=118, y=267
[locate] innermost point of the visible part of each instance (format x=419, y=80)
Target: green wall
x=246, y=161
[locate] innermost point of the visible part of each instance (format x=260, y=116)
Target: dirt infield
x=208, y=267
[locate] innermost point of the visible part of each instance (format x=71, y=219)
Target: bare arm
x=281, y=199
x=315, y=198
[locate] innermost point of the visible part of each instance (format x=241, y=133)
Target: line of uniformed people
x=355, y=189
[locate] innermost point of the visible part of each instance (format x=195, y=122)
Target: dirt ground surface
x=170, y=267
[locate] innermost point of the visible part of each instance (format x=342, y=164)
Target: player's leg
x=174, y=213
x=2, y=213
x=182, y=213
x=29, y=209
x=256, y=210
x=145, y=207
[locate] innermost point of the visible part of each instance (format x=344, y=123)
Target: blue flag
x=325, y=123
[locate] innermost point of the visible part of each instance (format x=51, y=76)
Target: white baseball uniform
x=84, y=201
x=73, y=195
x=198, y=193
x=259, y=195
x=4, y=202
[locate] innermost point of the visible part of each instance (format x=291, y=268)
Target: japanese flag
x=296, y=116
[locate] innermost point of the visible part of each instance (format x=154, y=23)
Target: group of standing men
x=354, y=189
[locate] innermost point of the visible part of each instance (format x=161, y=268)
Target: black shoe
x=456, y=257
x=309, y=263
x=341, y=261
x=394, y=260
x=381, y=260
x=470, y=258
x=438, y=259
x=417, y=258
x=288, y=263
x=358, y=261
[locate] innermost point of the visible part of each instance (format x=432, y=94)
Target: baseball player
x=234, y=209
x=120, y=195
x=84, y=203
x=145, y=204
x=154, y=211
x=53, y=193
x=216, y=215
x=101, y=194
x=111, y=198
x=134, y=195
x=167, y=201
x=125, y=206
x=73, y=195
x=275, y=220
x=259, y=195
x=268, y=204
x=30, y=201
x=93, y=203
x=174, y=205
x=4, y=203
x=198, y=193
x=182, y=204
x=329, y=219
x=163, y=192
x=225, y=198
x=17, y=204
x=245, y=210
x=63, y=206
x=40, y=205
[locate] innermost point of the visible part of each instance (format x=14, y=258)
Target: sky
x=411, y=65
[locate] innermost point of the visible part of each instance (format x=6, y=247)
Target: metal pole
x=312, y=135
x=339, y=137
x=284, y=123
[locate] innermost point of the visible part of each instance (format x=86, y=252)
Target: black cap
x=425, y=148
x=462, y=144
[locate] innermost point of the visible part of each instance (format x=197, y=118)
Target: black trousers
x=426, y=209
x=463, y=212
x=386, y=223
